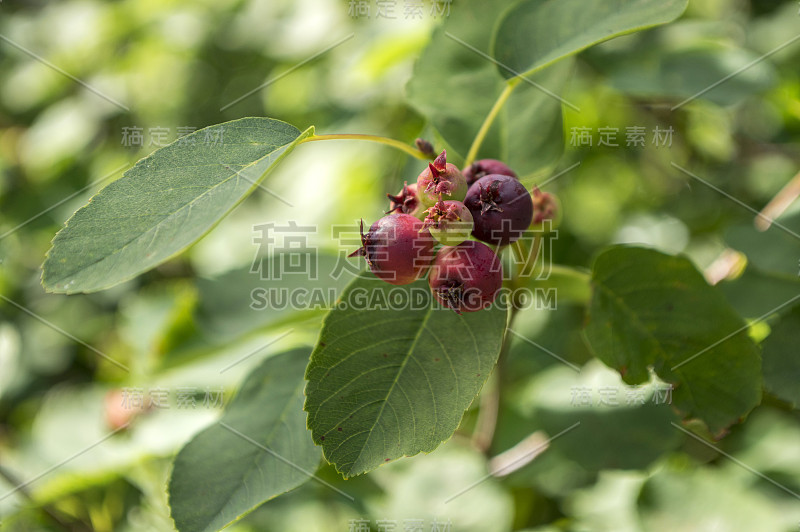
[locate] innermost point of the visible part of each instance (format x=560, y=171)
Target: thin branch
x=414, y=152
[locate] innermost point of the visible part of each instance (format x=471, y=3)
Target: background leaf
x=385, y=383
x=680, y=74
x=219, y=476
x=781, y=363
x=651, y=309
x=536, y=33
x=165, y=203
x=455, y=87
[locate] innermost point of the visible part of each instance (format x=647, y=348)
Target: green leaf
x=651, y=309
x=682, y=74
x=220, y=476
x=781, y=239
x=165, y=203
x=781, y=363
x=391, y=380
x=455, y=87
x=755, y=293
x=536, y=33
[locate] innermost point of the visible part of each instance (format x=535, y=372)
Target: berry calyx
x=406, y=201
x=396, y=248
x=501, y=208
x=545, y=207
x=484, y=167
x=441, y=180
x=467, y=277
x=449, y=222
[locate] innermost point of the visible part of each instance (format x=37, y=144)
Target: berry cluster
x=445, y=205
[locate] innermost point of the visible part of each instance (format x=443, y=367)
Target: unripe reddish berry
x=466, y=277
x=484, y=167
x=545, y=207
x=449, y=222
x=406, y=202
x=501, y=208
x=397, y=248
x=441, y=180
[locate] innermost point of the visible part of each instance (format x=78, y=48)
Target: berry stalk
x=472, y=154
x=414, y=152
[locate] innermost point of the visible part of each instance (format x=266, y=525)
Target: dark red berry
x=501, y=208
x=396, y=248
x=406, y=201
x=484, y=167
x=466, y=277
x=441, y=180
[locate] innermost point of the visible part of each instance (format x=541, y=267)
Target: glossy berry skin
x=397, y=248
x=449, y=222
x=406, y=202
x=441, y=180
x=501, y=208
x=484, y=167
x=466, y=277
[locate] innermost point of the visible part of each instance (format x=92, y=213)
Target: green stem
x=372, y=138
x=490, y=399
x=533, y=257
x=487, y=123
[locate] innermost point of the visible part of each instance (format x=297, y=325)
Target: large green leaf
x=259, y=449
x=649, y=309
x=388, y=379
x=781, y=363
x=536, y=33
x=681, y=74
x=165, y=203
x=455, y=86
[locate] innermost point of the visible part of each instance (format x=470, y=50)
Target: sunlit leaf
x=165, y=203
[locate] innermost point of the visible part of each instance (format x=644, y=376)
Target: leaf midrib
x=257, y=452
x=423, y=324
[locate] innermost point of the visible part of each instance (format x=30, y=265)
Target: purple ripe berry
x=466, y=277
x=484, y=167
x=449, y=222
x=441, y=180
x=397, y=248
x=406, y=201
x=501, y=207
